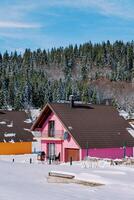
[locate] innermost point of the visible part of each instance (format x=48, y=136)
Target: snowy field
x=21, y=180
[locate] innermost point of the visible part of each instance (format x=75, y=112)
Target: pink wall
x=108, y=152
x=60, y=144
x=70, y=143
x=58, y=125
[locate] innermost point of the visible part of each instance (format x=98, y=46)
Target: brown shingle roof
x=99, y=125
x=14, y=127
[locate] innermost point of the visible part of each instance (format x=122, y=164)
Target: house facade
x=77, y=131
x=56, y=139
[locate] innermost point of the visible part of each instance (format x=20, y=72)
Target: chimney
x=71, y=98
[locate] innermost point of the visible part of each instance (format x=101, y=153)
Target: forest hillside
x=92, y=72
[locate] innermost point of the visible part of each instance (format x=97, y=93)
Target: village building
x=15, y=134
x=74, y=131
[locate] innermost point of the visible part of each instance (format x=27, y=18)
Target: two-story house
x=77, y=130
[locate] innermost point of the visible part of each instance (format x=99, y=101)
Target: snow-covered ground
x=21, y=180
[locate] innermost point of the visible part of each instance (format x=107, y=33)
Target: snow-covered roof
x=124, y=114
x=15, y=125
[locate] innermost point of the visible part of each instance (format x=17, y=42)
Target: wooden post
x=87, y=149
x=124, y=149
x=30, y=160
x=49, y=161
x=71, y=160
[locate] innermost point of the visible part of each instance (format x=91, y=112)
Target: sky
x=52, y=23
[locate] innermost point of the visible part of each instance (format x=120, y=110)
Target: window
x=51, y=129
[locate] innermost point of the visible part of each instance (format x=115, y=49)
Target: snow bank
x=20, y=158
x=21, y=180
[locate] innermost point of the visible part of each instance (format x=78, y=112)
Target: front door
x=51, y=150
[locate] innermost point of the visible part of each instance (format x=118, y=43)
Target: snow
x=9, y=134
x=21, y=180
x=35, y=113
x=10, y=125
x=94, y=164
x=9, y=108
x=63, y=172
x=131, y=131
x=132, y=124
x=19, y=158
x=2, y=122
x=26, y=129
x=11, y=141
x=91, y=178
x=124, y=114
x=37, y=134
x=28, y=121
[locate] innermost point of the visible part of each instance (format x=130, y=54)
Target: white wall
x=36, y=146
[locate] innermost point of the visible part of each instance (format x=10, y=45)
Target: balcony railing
x=57, y=134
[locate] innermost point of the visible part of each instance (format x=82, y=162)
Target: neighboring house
x=79, y=130
x=15, y=134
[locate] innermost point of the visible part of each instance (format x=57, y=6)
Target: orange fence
x=15, y=148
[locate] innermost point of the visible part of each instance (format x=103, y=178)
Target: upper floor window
x=51, y=128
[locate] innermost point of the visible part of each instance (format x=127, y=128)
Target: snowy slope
x=21, y=180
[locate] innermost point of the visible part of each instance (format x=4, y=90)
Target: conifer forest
x=91, y=72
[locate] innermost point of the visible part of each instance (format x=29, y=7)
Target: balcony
x=56, y=135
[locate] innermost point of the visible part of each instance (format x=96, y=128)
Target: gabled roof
x=15, y=126
x=97, y=126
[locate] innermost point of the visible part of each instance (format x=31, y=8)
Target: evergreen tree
x=36, y=77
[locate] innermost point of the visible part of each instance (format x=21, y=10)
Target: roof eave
x=35, y=124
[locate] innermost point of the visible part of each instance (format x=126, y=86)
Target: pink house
x=70, y=130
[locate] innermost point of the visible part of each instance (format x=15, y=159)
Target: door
x=74, y=153
x=51, y=149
